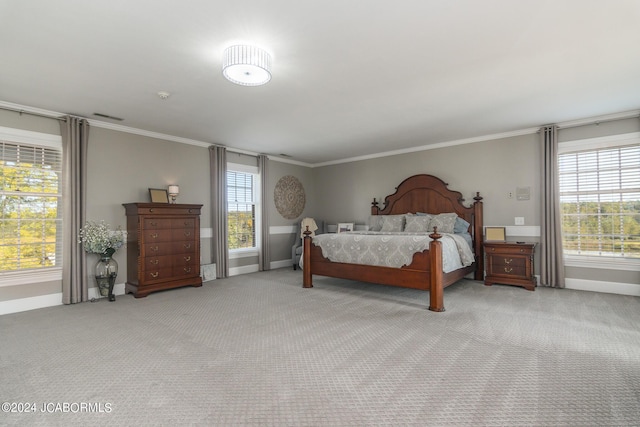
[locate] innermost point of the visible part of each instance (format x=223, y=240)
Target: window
x=242, y=206
x=30, y=202
x=600, y=196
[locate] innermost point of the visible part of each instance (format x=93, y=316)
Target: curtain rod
x=21, y=112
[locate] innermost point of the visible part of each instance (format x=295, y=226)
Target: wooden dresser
x=163, y=247
x=510, y=263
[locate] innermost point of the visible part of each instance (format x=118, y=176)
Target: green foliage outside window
x=602, y=228
x=241, y=229
x=29, y=211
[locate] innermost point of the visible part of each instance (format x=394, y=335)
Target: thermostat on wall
x=523, y=193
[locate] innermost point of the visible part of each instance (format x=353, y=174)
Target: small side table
x=510, y=263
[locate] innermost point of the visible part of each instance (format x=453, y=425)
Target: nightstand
x=510, y=263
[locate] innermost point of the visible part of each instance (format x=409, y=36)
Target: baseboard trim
x=281, y=264
x=31, y=303
x=235, y=271
x=51, y=300
x=604, y=287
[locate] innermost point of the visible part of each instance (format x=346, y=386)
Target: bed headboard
x=424, y=193
x=429, y=194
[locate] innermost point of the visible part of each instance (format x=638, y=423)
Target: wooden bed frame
x=418, y=193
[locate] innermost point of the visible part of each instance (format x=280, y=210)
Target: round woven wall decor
x=289, y=197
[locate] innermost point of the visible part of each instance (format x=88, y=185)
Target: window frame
x=589, y=144
x=39, y=275
x=255, y=250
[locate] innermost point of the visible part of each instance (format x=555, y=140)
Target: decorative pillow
x=444, y=221
x=393, y=223
x=417, y=224
x=375, y=222
x=461, y=226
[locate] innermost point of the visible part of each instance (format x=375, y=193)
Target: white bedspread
x=389, y=249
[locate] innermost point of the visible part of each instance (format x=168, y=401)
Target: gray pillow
x=461, y=226
x=394, y=223
x=417, y=224
x=444, y=221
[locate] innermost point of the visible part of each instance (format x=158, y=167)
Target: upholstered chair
x=296, y=249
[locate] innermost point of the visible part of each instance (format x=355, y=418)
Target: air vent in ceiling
x=106, y=116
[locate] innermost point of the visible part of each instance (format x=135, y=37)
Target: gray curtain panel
x=551, y=260
x=75, y=140
x=264, y=257
x=218, y=166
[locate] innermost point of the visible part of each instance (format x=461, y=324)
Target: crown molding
x=173, y=138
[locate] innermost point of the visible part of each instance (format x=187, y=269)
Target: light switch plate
x=519, y=220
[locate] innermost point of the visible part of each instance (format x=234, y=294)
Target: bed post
x=306, y=259
x=478, y=247
x=374, y=207
x=436, y=290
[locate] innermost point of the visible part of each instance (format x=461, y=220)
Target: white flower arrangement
x=97, y=238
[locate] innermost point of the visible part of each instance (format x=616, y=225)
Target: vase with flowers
x=98, y=238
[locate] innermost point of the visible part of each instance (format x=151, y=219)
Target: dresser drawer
x=158, y=249
x=183, y=234
x=157, y=235
x=157, y=275
x=509, y=250
x=156, y=223
x=183, y=223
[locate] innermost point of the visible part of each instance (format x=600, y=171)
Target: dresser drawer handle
x=508, y=269
x=154, y=248
x=154, y=224
x=154, y=236
x=153, y=261
x=187, y=245
x=187, y=269
x=186, y=223
x=187, y=258
x=154, y=275
x=508, y=261
x=187, y=233
x=493, y=249
x=151, y=210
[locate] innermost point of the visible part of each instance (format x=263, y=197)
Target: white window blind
x=30, y=207
x=241, y=210
x=600, y=197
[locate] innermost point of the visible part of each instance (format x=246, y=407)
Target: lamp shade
x=246, y=65
x=174, y=189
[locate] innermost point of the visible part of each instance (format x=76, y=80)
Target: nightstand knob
x=508, y=269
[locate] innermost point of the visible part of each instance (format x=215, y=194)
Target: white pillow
x=417, y=224
x=375, y=222
x=393, y=223
x=444, y=221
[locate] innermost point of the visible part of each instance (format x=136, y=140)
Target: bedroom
x=339, y=185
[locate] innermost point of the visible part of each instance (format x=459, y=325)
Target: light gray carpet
x=260, y=350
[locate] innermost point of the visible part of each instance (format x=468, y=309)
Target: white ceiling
x=350, y=77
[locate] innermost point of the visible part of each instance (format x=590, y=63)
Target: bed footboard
x=424, y=273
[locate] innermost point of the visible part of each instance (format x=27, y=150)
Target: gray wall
x=123, y=166
x=494, y=168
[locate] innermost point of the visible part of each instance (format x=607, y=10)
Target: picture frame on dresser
x=158, y=195
x=495, y=234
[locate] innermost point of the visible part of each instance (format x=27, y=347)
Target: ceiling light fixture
x=246, y=65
